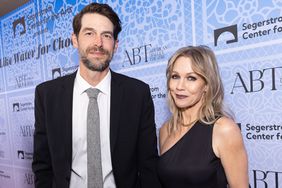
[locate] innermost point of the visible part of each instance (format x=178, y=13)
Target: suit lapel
x=67, y=97
x=116, y=103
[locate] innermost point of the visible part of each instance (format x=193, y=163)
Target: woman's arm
x=229, y=147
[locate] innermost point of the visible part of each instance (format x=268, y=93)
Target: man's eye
x=107, y=36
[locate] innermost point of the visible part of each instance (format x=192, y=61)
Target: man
x=127, y=128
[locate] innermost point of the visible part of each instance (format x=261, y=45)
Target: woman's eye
x=191, y=78
x=174, y=76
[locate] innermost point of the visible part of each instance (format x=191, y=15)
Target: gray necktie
x=94, y=165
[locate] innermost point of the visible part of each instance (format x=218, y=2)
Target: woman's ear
x=206, y=88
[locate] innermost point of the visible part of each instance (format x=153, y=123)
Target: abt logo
x=137, y=55
x=267, y=179
x=257, y=80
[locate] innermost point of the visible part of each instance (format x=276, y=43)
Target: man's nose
x=98, y=41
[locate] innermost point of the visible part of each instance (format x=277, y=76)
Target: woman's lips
x=181, y=96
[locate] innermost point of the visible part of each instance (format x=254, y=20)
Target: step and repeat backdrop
x=246, y=35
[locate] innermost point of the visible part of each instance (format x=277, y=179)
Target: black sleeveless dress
x=191, y=162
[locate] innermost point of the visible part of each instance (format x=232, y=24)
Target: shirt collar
x=103, y=85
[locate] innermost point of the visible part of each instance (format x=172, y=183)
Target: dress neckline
x=180, y=139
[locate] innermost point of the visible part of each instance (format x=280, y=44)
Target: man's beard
x=99, y=64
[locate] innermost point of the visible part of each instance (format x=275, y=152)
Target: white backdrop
x=245, y=35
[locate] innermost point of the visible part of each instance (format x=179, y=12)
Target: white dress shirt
x=79, y=126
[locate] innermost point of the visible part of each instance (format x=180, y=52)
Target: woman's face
x=186, y=87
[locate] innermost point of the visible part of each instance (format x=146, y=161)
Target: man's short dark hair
x=102, y=9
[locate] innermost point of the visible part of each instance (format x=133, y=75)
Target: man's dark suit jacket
x=132, y=133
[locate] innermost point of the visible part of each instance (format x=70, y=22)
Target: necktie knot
x=92, y=93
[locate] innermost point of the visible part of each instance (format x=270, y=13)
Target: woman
x=200, y=145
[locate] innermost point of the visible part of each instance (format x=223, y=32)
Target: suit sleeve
x=147, y=145
x=41, y=164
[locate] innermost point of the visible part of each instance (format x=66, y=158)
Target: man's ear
x=116, y=45
x=74, y=40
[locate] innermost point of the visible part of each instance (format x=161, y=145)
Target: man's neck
x=93, y=77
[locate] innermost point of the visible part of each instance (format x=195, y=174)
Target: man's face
x=95, y=42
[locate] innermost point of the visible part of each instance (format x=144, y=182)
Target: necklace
x=189, y=124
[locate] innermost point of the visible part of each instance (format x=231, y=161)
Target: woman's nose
x=180, y=84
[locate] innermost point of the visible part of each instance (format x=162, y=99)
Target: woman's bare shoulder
x=226, y=126
x=226, y=135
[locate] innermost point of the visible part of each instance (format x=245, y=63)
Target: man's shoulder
x=57, y=82
x=129, y=81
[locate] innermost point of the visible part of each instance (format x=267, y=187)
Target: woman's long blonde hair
x=204, y=64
